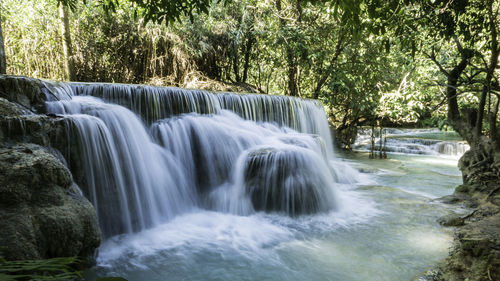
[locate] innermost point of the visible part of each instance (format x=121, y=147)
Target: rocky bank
x=476, y=252
x=43, y=213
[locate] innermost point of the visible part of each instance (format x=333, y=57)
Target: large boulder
x=25, y=91
x=292, y=180
x=42, y=212
x=19, y=124
x=39, y=129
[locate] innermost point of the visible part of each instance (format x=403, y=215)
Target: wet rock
x=450, y=199
x=42, y=212
x=451, y=220
x=24, y=91
x=284, y=180
x=477, y=253
x=38, y=129
x=8, y=108
x=430, y=275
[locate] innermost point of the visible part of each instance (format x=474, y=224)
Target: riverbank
x=39, y=199
x=476, y=251
x=475, y=254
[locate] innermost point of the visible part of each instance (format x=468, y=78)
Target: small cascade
x=414, y=141
x=156, y=103
x=126, y=172
x=288, y=179
x=150, y=153
x=452, y=148
x=209, y=147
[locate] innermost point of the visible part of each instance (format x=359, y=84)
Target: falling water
x=414, y=141
x=194, y=185
x=126, y=172
x=151, y=153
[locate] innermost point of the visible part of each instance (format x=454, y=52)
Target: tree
x=3, y=66
x=163, y=11
x=69, y=65
x=471, y=66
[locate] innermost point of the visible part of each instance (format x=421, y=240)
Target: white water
x=384, y=230
x=413, y=141
x=189, y=185
x=139, y=174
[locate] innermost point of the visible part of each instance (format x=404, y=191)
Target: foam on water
x=193, y=185
x=148, y=154
x=413, y=141
x=253, y=237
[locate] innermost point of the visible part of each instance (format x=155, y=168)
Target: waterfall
x=126, y=172
x=150, y=153
x=414, y=141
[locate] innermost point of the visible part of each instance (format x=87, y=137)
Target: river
x=385, y=228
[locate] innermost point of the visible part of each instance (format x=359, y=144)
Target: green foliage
x=107, y=47
x=49, y=269
x=121, y=48
x=31, y=37
x=158, y=11
x=366, y=60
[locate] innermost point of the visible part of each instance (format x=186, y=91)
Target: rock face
x=42, y=212
x=24, y=91
x=476, y=254
x=276, y=182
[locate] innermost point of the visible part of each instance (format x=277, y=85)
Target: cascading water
x=413, y=141
x=190, y=185
x=231, y=153
x=155, y=103
x=132, y=182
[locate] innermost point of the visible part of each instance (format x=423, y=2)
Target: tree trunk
x=458, y=124
x=69, y=66
x=292, y=67
x=493, y=125
x=338, y=50
x=248, y=51
x=236, y=62
x=465, y=129
x=3, y=65
x=490, y=70
x=293, y=89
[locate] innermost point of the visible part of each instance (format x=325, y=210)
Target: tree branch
x=432, y=57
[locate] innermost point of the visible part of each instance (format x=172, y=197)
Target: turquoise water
x=172, y=172
x=386, y=229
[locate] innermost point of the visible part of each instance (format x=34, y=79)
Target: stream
x=384, y=228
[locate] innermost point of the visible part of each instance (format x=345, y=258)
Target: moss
x=464, y=188
x=38, y=204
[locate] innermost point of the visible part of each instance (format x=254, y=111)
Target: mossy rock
x=451, y=220
x=464, y=188
x=24, y=91
x=42, y=212
x=8, y=108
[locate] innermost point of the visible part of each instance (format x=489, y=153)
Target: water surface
x=385, y=229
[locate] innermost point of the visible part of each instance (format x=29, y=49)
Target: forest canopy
x=398, y=62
